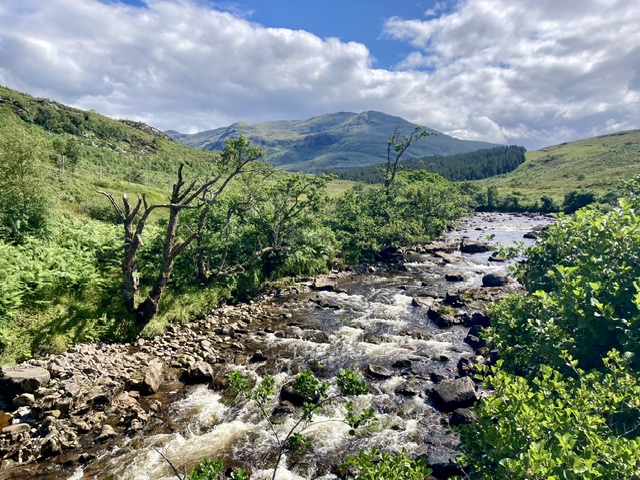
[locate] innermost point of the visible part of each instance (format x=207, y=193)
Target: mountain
x=337, y=141
x=596, y=164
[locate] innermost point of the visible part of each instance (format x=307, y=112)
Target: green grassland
x=595, y=164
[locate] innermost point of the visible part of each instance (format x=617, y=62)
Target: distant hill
x=337, y=141
x=119, y=155
x=596, y=164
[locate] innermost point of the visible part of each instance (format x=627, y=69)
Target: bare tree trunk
x=147, y=309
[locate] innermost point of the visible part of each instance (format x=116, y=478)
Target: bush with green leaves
x=375, y=465
x=417, y=207
x=583, y=293
x=215, y=470
x=556, y=426
x=26, y=201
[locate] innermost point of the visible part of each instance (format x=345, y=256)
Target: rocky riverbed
x=411, y=325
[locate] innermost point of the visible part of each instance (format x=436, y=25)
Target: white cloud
x=495, y=70
x=538, y=70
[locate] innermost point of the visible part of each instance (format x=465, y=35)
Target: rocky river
x=410, y=326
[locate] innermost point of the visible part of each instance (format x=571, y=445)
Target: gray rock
x=24, y=400
x=324, y=284
x=422, y=302
x=103, y=394
x=442, y=318
x=469, y=246
x=493, y=280
x=453, y=299
x=17, y=428
x=463, y=416
x=451, y=394
x=377, y=371
x=411, y=388
x=106, y=433
x=448, y=258
x=258, y=357
x=201, y=372
x=315, y=336
x=151, y=378
x=444, y=465
x=454, y=277
x=22, y=379
x=288, y=394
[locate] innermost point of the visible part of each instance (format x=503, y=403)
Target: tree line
x=456, y=168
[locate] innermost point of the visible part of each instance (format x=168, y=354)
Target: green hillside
x=338, y=141
x=595, y=164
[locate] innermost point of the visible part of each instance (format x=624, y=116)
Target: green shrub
x=375, y=465
x=555, y=426
x=583, y=293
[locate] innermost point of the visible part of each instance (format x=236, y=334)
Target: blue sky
x=526, y=73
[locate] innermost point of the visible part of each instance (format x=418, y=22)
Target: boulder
x=150, y=380
x=402, y=364
x=17, y=428
x=469, y=246
x=451, y=394
x=448, y=258
x=315, y=336
x=444, y=465
x=104, y=393
x=258, y=357
x=200, y=372
x=454, y=277
x=453, y=299
x=411, y=388
x=288, y=394
x=463, y=416
x=377, y=371
x=22, y=379
x=442, y=318
x=324, y=284
x=422, y=302
x=493, y=280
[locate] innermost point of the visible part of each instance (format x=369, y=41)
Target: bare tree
x=238, y=157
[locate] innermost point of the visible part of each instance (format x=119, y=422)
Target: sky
x=531, y=73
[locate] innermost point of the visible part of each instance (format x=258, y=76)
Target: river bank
x=410, y=325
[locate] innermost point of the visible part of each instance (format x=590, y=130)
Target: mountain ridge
x=333, y=141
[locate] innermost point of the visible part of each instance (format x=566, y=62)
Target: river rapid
x=373, y=321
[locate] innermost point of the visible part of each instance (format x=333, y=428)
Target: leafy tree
x=396, y=146
x=238, y=157
x=375, y=465
x=69, y=152
x=25, y=200
x=416, y=208
x=574, y=201
x=548, y=418
x=582, y=292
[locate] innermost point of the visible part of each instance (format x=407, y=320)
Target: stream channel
x=368, y=322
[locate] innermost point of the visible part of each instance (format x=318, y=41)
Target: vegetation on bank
x=89, y=257
x=566, y=400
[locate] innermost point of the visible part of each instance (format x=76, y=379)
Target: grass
x=595, y=164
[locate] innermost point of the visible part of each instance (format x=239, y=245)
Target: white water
x=375, y=324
